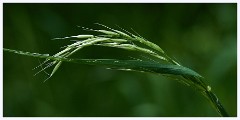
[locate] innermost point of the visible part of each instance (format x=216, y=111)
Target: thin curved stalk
x=135, y=65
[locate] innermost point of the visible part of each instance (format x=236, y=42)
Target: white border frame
x=116, y=1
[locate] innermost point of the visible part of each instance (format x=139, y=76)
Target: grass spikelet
x=122, y=34
x=77, y=36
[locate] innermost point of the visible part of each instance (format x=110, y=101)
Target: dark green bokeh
x=200, y=36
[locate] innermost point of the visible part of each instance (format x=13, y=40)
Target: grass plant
x=123, y=39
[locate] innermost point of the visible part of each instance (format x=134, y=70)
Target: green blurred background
x=200, y=36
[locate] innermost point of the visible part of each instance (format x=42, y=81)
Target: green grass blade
x=120, y=64
x=192, y=78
